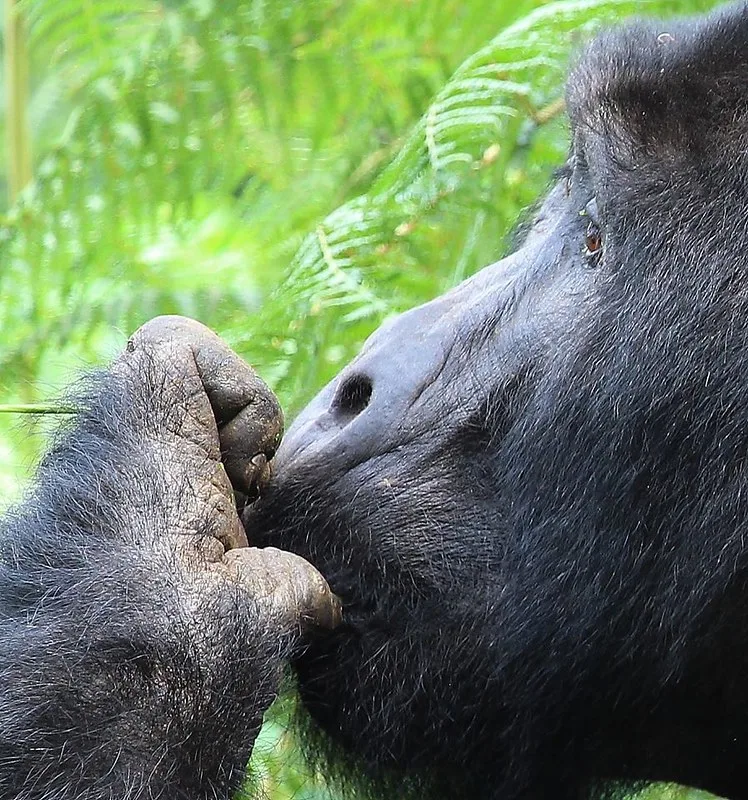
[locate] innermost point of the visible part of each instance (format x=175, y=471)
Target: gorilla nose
x=352, y=396
x=358, y=424
x=375, y=402
x=424, y=375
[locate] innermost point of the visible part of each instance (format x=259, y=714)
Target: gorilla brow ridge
x=670, y=87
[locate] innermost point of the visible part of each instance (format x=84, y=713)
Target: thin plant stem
x=34, y=408
x=17, y=97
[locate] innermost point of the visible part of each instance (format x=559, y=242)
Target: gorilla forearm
x=110, y=676
x=136, y=656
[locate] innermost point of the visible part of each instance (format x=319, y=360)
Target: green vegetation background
x=290, y=172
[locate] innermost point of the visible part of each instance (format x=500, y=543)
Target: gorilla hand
x=212, y=425
x=142, y=639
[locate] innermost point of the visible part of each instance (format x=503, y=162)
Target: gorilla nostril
x=353, y=395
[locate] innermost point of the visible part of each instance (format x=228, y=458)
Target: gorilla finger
x=248, y=442
x=287, y=586
x=248, y=416
x=230, y=383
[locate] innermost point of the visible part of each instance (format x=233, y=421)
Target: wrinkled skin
x=531, y=493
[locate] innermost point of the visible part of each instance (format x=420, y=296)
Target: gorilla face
x=391, y=483
x=530, y=493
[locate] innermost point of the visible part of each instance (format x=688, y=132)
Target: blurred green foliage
x=290, y=172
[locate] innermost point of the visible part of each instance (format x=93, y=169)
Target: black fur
x=531, y=493
x=538, y=520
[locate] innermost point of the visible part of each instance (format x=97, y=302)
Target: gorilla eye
x=593, y=242
x=593, y=239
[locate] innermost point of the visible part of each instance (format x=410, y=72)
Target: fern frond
x=482, y=105
x=91, y=37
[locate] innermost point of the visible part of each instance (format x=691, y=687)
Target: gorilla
x=529, y=495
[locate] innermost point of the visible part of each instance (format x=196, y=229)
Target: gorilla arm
x=140, y=640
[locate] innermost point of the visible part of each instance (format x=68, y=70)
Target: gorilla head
x=532, y=492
